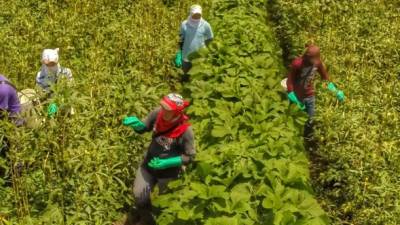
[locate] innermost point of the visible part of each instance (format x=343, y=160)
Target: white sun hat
x=196, y=9
x=50, y=55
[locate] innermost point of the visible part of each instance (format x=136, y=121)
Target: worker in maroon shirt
x=300, y=82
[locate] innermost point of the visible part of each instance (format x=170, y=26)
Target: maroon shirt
x=300, y=78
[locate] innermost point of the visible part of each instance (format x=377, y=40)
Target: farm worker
x=9, y=101
x=171, y=148
x=50, y=72
x=300, y=82
x=9, y=104
x=195, y=33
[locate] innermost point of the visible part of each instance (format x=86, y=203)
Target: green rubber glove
x=52, y=109
x=134, y=123
x=293, y=98
x=332, y=87
x=340, y=96
x=178, y=59
x=160, y=164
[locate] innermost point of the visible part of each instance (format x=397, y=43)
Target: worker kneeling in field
x=172, y=146
x=195, y=33
x=9, y=101
x=9, y=108
x=50, y=72
x=300, y=83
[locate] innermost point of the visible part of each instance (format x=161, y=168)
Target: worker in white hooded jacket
x=195, y=33
x=51, y=70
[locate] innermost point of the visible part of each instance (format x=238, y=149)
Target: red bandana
x=181, y=125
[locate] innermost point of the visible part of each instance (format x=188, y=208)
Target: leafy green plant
x=355, y=173
x=250, y=167
x=78, y=169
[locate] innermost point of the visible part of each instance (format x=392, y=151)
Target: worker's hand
x=340, y=96
x=331, y=86
x=134, y=123
x=52, y=109
x=301, y=106
x=178, y=59
x=293, y=99
x=160, y=164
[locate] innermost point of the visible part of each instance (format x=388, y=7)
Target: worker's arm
x=290, y=81
x=188, y=144
x=181, y=36
x=14, y=105
x=330, y=85
x=209, y=34
x=322, y=71
x=139, y=126
x=151, y=119
x=178, y=56
x=294, y=70
x=14, y=108
x=41, y=81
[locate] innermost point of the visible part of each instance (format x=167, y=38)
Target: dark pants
x=186, y=66
x=142, y=188
x=309, y=103
x=4, y=146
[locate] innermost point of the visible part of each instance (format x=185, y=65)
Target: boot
x=185, y=78
x=132, y=217
x=309, y=135
x=145, y=216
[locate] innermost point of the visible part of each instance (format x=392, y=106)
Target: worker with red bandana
x=300, y=83
x=172, y=146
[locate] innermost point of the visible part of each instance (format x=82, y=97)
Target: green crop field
x=356, y=171
x=251, y=166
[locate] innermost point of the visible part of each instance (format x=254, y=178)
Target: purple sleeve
x=13, y=105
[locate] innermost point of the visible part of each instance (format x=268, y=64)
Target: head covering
x=312, y=51
x=175, y=102
x=50, y=55
x=194, y=9
x=176, y=127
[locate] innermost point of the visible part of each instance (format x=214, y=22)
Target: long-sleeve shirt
x=300, y=78
x=46, y=78
x=194, y=38
x=164, y=147
x=9, y=100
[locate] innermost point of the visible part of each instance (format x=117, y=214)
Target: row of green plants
x=356, y=166
x=78, y=169
x=251, y=167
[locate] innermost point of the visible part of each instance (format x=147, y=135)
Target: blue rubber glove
x=293, y=99
x=52, y=109
x=161, y=164
x=134, y=123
